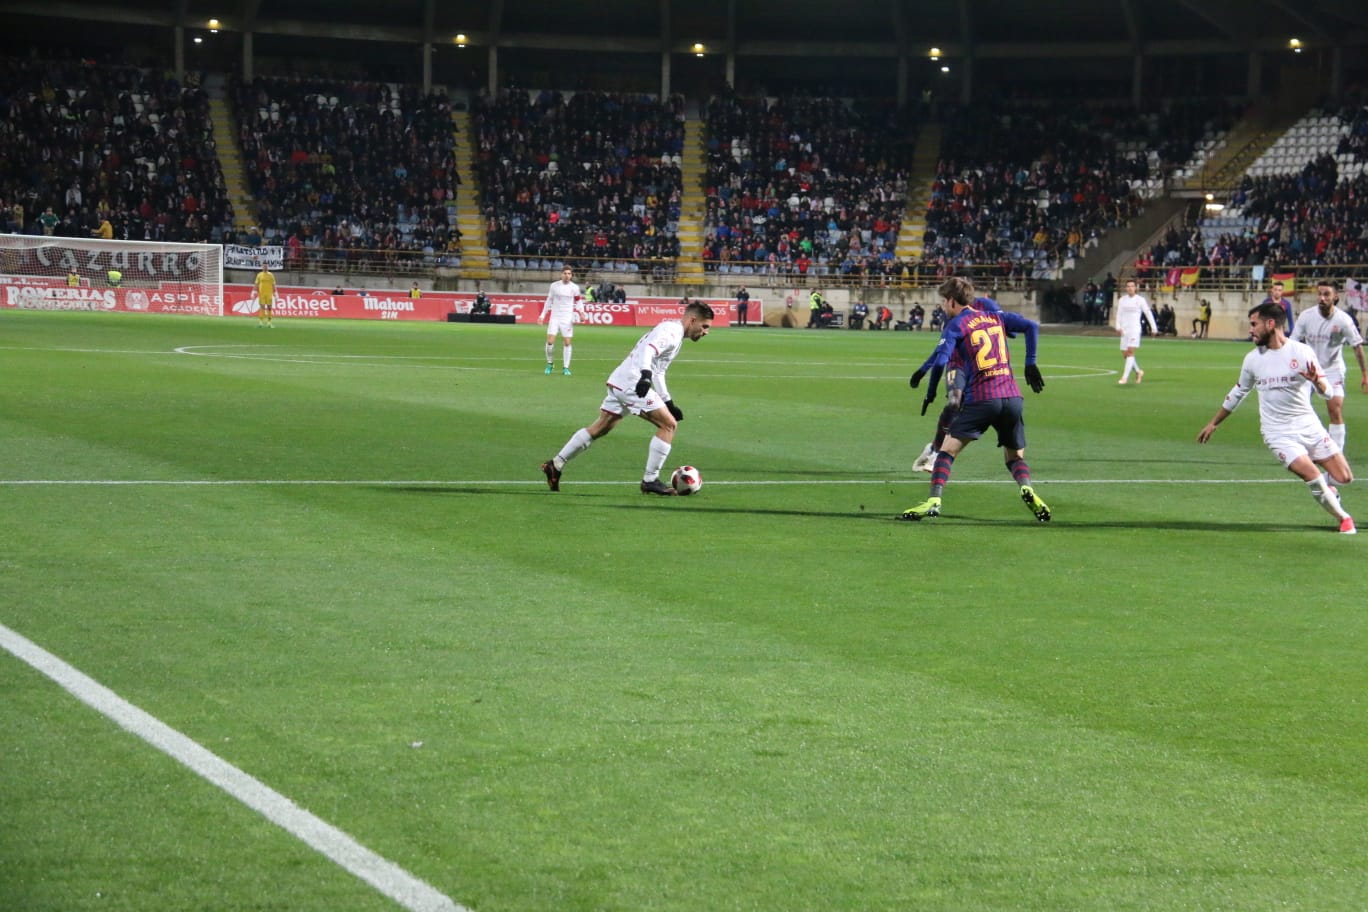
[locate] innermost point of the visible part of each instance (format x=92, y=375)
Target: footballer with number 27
x=637, y=387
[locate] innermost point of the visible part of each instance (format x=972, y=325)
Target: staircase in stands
x=230, y=159
x=469, y=220
x=692, y=205
x=1249, y=138
x=925, y=156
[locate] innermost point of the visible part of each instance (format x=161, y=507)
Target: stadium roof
x=993, y=28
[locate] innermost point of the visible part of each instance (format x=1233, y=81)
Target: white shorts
x=626, y=401
x=1130, y=341
x=1310, y=440
x=565, y=327
x=1335, y=380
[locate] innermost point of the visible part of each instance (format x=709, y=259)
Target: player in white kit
x=1284, y=372
x=1129, y=309
x=562, y=301
x=637, y=387
x=1327, y=329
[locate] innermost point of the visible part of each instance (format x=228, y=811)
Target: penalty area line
x=385, y=876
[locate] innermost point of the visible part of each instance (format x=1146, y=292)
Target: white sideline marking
x=335, y=845
x=537, y=483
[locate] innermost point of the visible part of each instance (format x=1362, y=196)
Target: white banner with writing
x=236, y=257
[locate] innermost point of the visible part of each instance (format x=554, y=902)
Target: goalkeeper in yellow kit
x=266, y=290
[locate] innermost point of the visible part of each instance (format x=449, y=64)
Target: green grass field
x=325, y=553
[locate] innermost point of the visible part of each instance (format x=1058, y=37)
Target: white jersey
x=1129, y=309
x=653, y=352
x=562, y=301
x=1327, y=337
x=1284, y=394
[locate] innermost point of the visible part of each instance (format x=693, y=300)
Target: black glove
x=644, y=384
x=1033, y=378
x=930, y=398
x=936, y=373
x=917, y=379
x=674, y=410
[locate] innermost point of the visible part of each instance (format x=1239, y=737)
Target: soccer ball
x=686, y=480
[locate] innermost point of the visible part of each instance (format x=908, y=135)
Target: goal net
x=56, y=273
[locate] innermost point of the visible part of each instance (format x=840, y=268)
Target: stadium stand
x=1303, y=201
x=350, y=173
x=592, y=178
x=799, y=186
x=1032, y=184
x=90, y=150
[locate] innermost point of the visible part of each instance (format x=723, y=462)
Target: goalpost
x=38, y=272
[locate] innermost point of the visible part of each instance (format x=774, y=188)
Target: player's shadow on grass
x=653, y=503
x=595, y=496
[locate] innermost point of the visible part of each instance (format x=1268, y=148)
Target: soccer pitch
x=325, y=554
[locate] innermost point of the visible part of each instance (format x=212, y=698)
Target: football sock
x=1021, y=472
x=565, y=356
x=1337, y=435
x=941, y=475
x=550, y=351
x=578, y=443
x=1327, y=498
x=656, y=455
x=1130, y=366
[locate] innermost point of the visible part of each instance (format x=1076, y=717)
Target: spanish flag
x=1289, y=280
x=1190, y=276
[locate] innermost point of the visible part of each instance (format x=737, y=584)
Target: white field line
x=249, y=352
x=390, y=879
x=536, y=483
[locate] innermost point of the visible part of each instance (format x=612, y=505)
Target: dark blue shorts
x=1002, y=415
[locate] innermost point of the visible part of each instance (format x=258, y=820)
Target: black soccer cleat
x=656, y=486
x=552, y=474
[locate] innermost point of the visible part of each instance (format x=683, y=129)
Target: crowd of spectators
x=346, y=171
x=1354, y=113
x=1311, y=217
x=1031, y=185
x=112, y=152
x=593, y=177
x=799, y=185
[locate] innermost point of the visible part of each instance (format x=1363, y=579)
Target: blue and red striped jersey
x=979, y=339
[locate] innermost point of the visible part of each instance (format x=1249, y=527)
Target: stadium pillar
x=247, y=57
x=1254, y=75
x=426, y=51
x=967, y=80
x=493, y=71
x=178, y=37
x=1137, y=79
x=664, y=74
x=902, y=80
x=731, y=43
x=1336, y=71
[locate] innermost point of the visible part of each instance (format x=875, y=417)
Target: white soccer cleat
x=926, y=462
